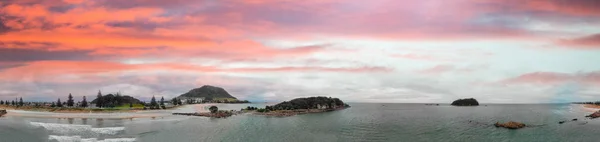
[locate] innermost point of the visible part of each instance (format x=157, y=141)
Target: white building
x=185, y=100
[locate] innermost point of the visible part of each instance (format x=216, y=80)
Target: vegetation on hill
x=208, y=93
x=211, y=94
x=116, y=100
x=465, y=102
x=309, y=103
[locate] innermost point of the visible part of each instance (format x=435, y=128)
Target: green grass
x=126, y=106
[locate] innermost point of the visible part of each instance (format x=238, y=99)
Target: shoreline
x=70, y=113
x=287, y=113
x=591, y=107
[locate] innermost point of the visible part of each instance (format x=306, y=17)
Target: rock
x=561, y=122
x=510, y=125
x=594, y=115
x=2, y=112
x=465, y=102
x=574, y=119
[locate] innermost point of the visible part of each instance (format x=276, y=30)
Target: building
x=191, y=100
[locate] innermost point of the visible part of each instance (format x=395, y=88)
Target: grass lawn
x=126, y=106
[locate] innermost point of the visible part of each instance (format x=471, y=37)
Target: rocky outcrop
x=510, y=125
x=2, y=112
x=465, y=102
x=594, y=115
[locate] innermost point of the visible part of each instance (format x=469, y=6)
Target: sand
x=127, y=114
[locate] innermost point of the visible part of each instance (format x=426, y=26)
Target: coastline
x=591, y=107
x=104, y=114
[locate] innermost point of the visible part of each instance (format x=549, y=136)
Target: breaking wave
x=54, y=138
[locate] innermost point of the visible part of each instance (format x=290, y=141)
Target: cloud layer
x=266, y=50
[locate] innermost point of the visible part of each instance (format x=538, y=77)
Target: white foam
x=79, y=139
x=108, y=130
x=71, y=129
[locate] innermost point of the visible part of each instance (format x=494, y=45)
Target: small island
x=303, y=106
x=465, y=102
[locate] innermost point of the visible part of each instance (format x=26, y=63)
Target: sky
x=391, y=51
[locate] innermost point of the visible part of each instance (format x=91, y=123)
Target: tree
x=130, y=105
x=70, y=101
x=162, y=102
x=99, y=101
x=213, y=109
x=153, y=103
x=13, y=103
x=53, y=105
x=1, y=102
x=179, y=102
x=58, y=103
x=84, y=102
x=21, y=101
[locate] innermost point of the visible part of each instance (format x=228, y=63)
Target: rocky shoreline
x=3, y=112
x=286, y=113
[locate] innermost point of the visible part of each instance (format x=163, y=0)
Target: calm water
x=362, y=122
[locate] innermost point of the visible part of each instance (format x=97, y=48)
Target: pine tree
x=1, y=102
x=70, y=101
x=99, y=101
x=162, y=101
x=53, y=104
x=130, y=105
x=153, y=103
x=58, y=103
x=84, y=102
x=21, y=101
x=12, y=103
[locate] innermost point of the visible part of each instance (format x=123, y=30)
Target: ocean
x=362, y=122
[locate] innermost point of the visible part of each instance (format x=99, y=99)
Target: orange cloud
x=41, y=71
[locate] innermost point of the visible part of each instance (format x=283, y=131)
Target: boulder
x=2, y=112
x=594, y=115
x=510, y=125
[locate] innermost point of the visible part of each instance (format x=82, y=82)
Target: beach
x=117, y=114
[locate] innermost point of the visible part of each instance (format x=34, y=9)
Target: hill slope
x=111, y=100
x=209, y=93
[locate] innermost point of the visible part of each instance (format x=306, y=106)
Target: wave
x=55, y=138
x=81, y=130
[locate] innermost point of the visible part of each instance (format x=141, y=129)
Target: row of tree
x=70, y=102
x=13, y=103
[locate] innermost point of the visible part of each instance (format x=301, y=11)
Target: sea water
x=361, y=122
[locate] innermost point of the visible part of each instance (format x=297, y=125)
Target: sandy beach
x=126, y=114
x=590, y=107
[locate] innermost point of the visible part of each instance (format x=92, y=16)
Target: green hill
x=209, y=93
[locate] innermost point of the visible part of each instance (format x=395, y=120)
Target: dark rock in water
x=2, y=112
x=437, y=104
x=574, y=119
x=561, y=122
x=465, y=102
x=510, y=125
x=594, y=115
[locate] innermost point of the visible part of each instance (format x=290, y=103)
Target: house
x=191, y=100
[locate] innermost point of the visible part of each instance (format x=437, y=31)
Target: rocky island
x=465, y=102
x=303, y=106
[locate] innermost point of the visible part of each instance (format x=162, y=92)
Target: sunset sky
x=399, y=51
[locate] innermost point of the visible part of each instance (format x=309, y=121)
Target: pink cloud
x=588, y=42
x=553, y=78
x=438, y=69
